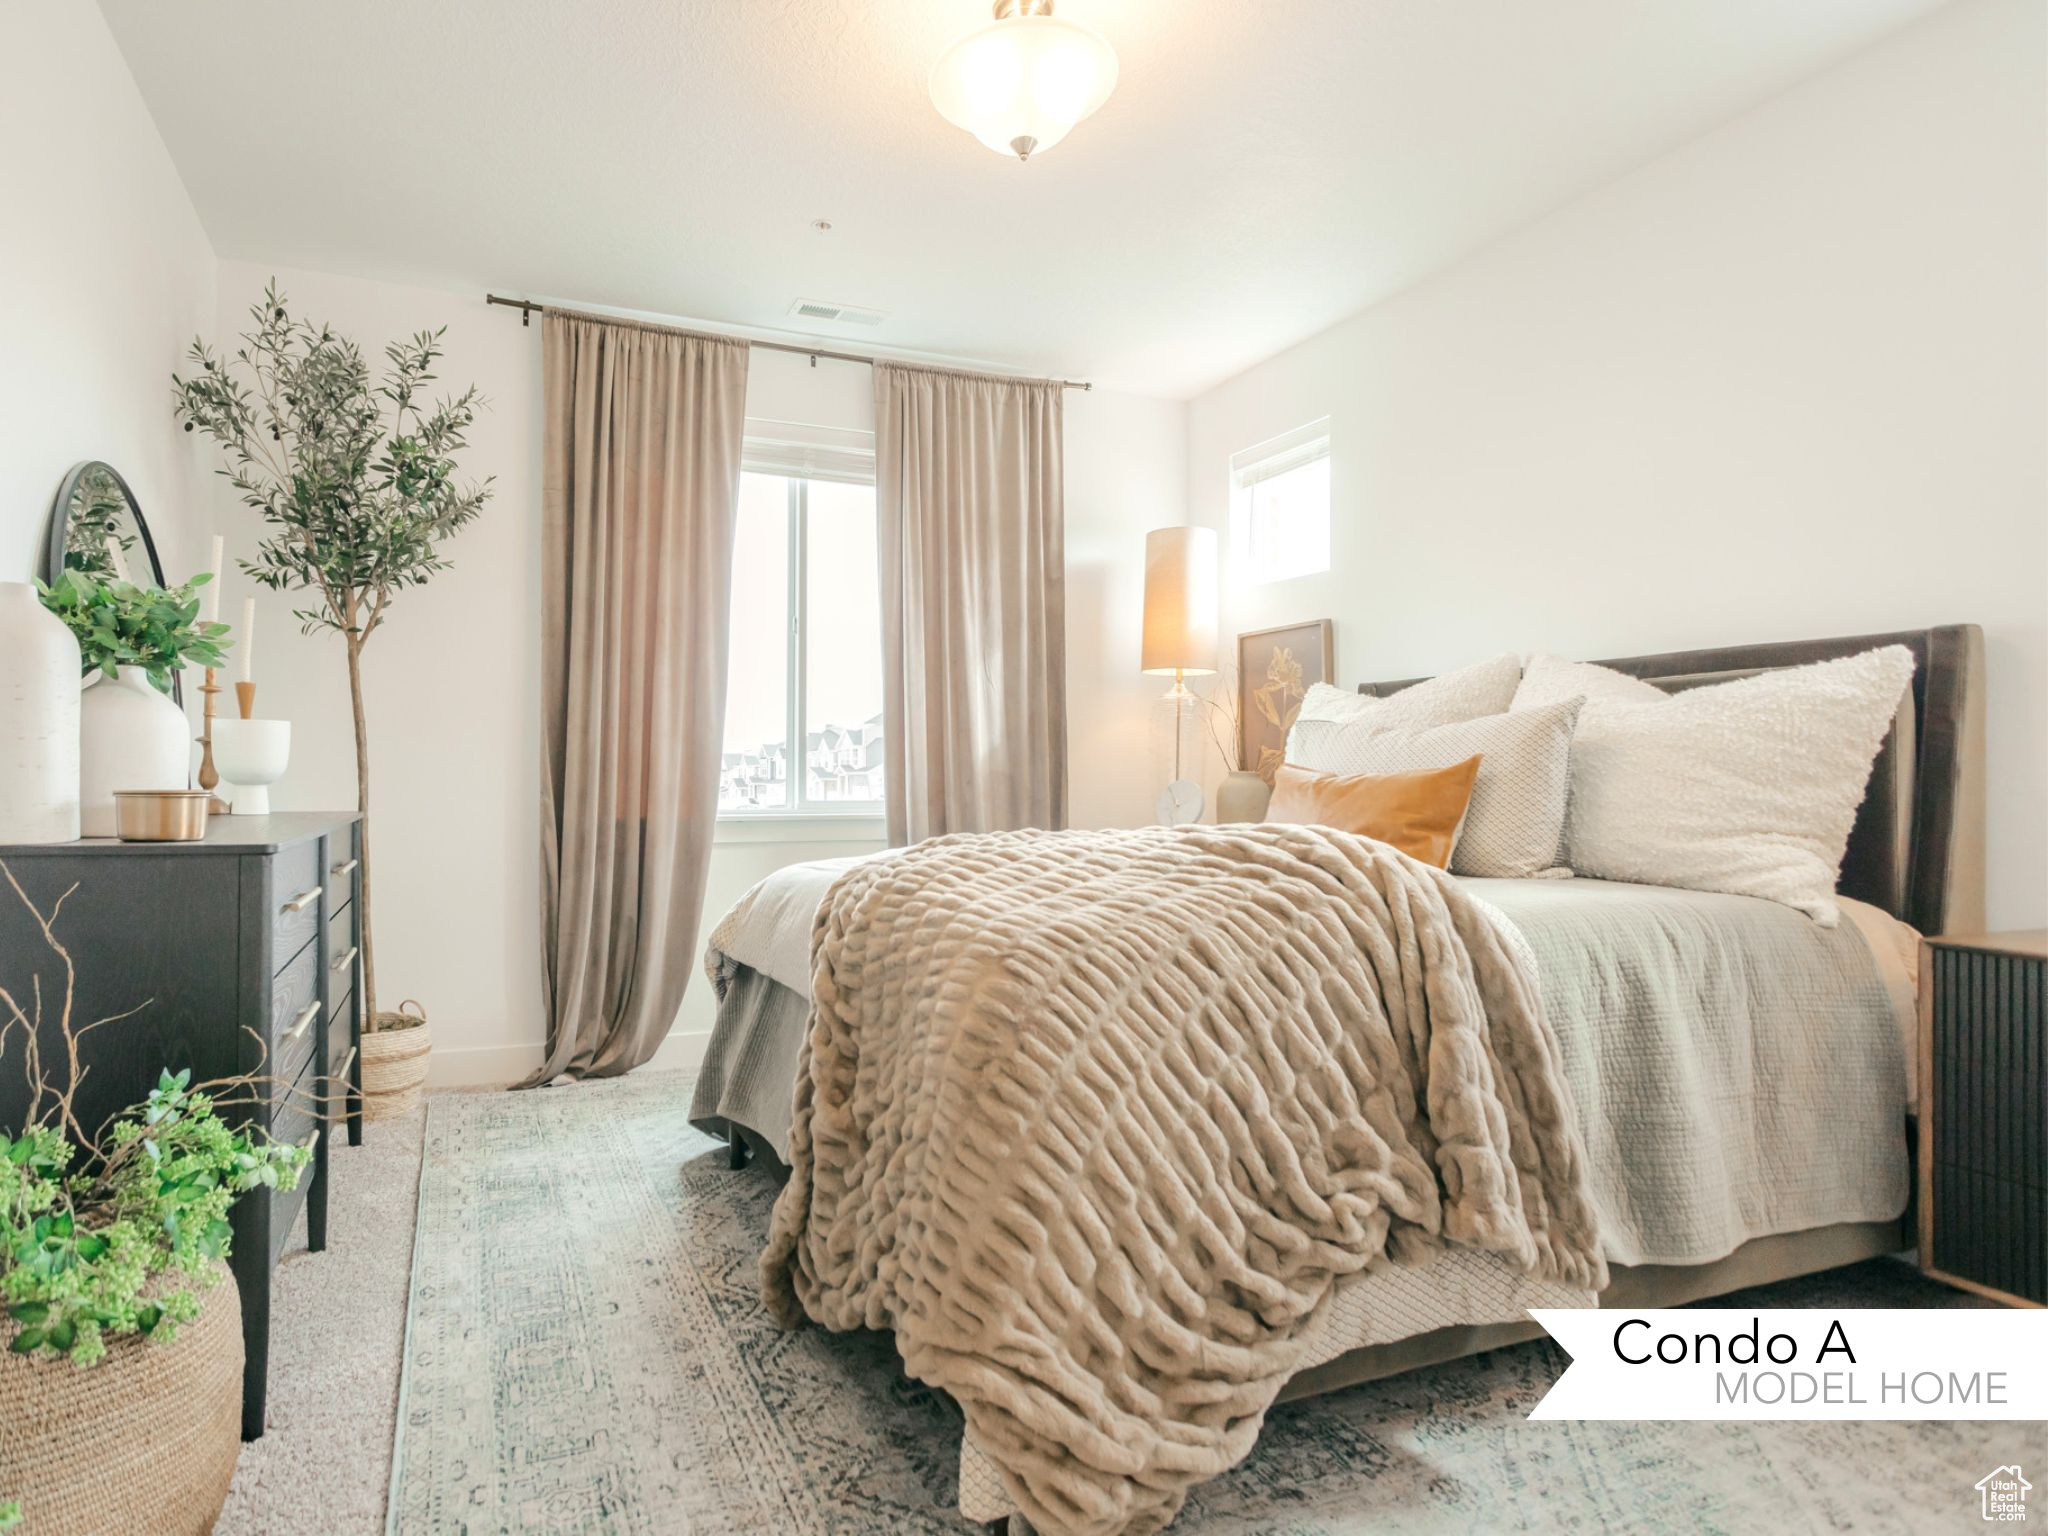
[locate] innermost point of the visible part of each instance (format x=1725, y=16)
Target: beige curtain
x=640, y=476
x=968, y=498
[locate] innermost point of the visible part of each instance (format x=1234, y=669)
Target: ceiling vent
x=845, y=314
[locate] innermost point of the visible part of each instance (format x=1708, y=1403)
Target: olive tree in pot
x=355, y=480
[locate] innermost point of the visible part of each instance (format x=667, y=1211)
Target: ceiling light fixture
x=1021, y=83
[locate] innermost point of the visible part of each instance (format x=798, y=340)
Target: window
x=806, y=655
x=1280, y=505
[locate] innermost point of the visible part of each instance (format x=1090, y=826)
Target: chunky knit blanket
x=1093, y=1121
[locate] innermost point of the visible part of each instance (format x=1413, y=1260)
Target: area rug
x=586, y=1351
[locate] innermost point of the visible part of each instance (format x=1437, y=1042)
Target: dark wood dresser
x=244, y=949
x=1984, y=1114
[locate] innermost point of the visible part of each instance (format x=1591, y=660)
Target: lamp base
x=1179, y=803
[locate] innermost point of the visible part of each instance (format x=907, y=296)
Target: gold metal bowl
x=160, y=815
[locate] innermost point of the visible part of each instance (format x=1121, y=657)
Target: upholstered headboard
x=1917, y=849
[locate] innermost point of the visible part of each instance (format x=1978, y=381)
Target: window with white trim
x=1280, y=505
x=803, y=705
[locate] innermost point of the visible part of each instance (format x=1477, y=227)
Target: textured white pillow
x=1484, y=688
x=1749, y=787
x=1548, y=679
x=1514, y=822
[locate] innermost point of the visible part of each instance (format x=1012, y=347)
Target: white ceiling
x=1265, y=167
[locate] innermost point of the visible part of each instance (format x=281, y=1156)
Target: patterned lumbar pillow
x=1749, y=787
x=1514, y=825
x=1484, y=688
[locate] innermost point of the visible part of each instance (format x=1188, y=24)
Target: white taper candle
x=247, y=639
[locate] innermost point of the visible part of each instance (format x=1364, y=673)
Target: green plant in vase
x=355, y=480
x=118, y=624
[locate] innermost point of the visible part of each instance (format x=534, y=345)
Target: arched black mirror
x=96, y=526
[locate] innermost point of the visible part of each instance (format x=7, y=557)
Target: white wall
x=450, y=680
x=1126, y=473
x=1785, y=382
x=108, y=277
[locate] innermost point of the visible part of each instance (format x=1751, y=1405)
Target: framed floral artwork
x=1274, y=670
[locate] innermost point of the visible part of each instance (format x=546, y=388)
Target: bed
x=1654, y=996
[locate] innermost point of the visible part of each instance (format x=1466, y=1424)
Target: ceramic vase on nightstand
x=129, y=737
x=38, y=721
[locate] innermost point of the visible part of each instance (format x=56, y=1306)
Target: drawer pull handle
x=342, y=962
x=345, y=869
x=305, y=1018
x=303, y=900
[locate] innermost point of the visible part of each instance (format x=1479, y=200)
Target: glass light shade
x=1021, y=84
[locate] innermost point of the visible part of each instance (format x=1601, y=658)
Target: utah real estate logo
x=2005, y=1495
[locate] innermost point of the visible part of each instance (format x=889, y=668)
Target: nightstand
x=1984, y=1114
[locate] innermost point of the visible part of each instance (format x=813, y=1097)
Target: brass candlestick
x=208, y=774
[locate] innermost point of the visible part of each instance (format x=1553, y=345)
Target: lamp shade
x=1022, y=82
x=1180, y=600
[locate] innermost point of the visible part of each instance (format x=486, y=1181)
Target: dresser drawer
x=296, y=990
x=293, y=1120
x=295, y=900
x=341, y=1045
x=344, y=959
x=342, y=872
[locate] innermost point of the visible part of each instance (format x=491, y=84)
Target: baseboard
x=481, y=1066
x=682, y=1051
x=500, y=1066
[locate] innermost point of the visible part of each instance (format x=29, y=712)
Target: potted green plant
x=357, y=482
x=131, y=641
x=121, y=1383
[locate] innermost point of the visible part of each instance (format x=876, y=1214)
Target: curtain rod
x=527, y=307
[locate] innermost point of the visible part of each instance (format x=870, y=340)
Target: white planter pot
x=251, y=756
x=38, y=721
x=129, y=737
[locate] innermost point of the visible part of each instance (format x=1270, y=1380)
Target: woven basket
x=395, y=1062
x=144, y=1441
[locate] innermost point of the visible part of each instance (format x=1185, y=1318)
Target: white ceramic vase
x=251, y=755
x=38, y=721
x=129, y=737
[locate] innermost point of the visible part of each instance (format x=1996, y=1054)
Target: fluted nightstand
x=1984, y=1114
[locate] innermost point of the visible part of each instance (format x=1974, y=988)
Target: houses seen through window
x=803, y=710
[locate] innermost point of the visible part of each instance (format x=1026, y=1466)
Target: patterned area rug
x=586, y=1351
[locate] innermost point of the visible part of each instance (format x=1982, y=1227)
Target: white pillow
x=1548, y=679
x=1514, y=823
x=1484, y=688
x=1749, y=787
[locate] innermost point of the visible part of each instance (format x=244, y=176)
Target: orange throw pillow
x=1418, y=813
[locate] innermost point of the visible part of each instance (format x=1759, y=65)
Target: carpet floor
x=588, y=1353
x=337, y=1342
